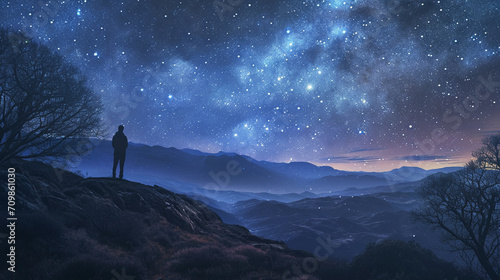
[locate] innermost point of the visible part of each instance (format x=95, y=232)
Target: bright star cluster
x=355, y=84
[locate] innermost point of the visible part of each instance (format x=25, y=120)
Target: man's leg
x=115, y=164
x=122, y=163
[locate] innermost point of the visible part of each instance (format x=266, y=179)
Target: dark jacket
x=120, y=142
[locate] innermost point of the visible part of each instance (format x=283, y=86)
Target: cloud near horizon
x=343, y=159
x=448, y=159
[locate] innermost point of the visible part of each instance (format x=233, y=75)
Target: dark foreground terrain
x=100, y=228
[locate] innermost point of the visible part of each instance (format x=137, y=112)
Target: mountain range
x=295, y=202
x=198, y=173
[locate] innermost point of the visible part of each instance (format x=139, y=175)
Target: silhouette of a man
x=120, y=143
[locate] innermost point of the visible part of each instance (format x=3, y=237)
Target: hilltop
x=75, y=228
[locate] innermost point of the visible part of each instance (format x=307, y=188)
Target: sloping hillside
x=74, y=228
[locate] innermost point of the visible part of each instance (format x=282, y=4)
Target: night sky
x=358, y=85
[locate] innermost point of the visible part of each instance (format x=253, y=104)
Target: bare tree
x=45, y=103
x=465, y=206
x=489, y=154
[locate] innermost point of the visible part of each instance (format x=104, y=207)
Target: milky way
x=358, y=85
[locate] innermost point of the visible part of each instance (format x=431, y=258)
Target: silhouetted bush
x=201, y=258
x=334, y=270
x=38, y=225
x=78, y=242
x=91, y=267
x=122, y=229
x=37, y=236
x=151, y=256
x=255, y=257
x=281, y=262
x=394, y=259
x=165, y=238
x=211, y=262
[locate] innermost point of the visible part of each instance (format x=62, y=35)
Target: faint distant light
x=288, y=31
x=309, y=87
x=96, y=54
x=236, y=135
x=79, y=12
x=142, y=89
x=361, y=132
x=170, y=96
x=410, y=126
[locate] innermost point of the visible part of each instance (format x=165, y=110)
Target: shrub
x=38, y=225
x=394, y=259
x=255, y=257
x=209, y=262
x=90, y=267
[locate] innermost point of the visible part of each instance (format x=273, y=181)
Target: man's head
x=120, y=128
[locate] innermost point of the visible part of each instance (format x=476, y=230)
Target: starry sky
x=366, y=85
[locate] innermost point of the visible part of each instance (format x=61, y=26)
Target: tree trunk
x=485, y=263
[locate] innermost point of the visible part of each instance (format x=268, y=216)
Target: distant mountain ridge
x=192, y=171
